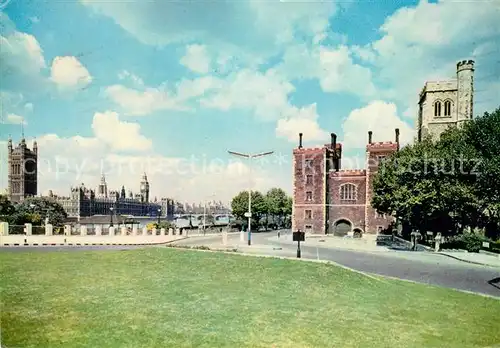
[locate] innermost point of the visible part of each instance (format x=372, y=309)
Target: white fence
x=115, y=236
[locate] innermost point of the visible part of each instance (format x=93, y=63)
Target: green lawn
x=163, y=297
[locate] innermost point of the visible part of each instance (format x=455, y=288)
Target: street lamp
x=111, y=216
x=159, y=213
x=249, y=213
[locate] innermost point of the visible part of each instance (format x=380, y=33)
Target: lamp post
x=159, y=213
x=249, y=213
x=111, y=216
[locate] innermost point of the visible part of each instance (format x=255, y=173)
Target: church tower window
x=437, y=109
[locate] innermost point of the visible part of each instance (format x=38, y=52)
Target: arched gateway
x=342, y=227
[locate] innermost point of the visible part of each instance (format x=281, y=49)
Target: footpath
x=481, y=258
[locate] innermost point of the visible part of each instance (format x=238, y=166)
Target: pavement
x=476, y=258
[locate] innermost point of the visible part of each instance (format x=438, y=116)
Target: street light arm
x=263, y=154
x=239, y=154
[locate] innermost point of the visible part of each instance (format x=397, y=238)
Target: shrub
x=472, y=241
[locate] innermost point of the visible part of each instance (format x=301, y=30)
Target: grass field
x=163, y=297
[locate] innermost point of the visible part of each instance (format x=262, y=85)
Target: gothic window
x=308, y=214
x=348, y=192
x=309, y=196
x=309, y=163
x=309, y=180
x=447, y=108
x=437, y=109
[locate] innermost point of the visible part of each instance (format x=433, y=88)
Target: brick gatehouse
x=329, y=200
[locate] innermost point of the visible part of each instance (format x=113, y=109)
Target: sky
x=168, y=88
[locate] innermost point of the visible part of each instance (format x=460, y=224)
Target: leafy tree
x=6, y=206
x=36, y=209
x=276, y=199
x=445, y=185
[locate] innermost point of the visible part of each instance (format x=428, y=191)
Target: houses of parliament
x=82, y=201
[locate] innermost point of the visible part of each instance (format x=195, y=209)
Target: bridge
x=183, y=220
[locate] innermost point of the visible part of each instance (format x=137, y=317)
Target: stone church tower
x=23, y=171
x=145, y=189
x=446, y=103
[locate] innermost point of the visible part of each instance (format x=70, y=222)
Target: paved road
x=424, y=267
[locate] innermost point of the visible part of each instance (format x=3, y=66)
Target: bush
x=472, y=242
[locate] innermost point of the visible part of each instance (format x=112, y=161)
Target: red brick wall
x=352, y=211
x=374, y=150
x=357, y=178
x=301, y=170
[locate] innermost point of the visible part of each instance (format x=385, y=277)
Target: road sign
x=247, y=214
x=299, y=236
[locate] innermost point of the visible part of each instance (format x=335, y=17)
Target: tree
x=36, y=209
x=446, y=185
x=239, y=206
x=6, y=206
x=276, y=199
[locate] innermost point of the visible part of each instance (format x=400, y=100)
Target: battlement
x=308, y=150
x=440, y=86
x=349, y=172
x=382, y=145
x=465, y=65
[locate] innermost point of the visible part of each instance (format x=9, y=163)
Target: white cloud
x=333, y=67
x=142, y=102
x=264, y=25
x=379, y=117
x=68, y=72
x=304, y=121
x=126, y=75
x=16, y=119
x=363, y=53
x=121, y=136
x=145, y=100
x=197, y=59
x=28, y=107
x=265, y=94
x=22, y=60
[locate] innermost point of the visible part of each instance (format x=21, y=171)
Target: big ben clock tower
x=145, y=189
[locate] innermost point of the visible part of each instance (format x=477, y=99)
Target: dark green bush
x=472, y=242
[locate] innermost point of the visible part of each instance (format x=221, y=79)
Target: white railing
x=116, y=236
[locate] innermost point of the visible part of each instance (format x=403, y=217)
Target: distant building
x=84, y=201
x=446, y=103
x=329, y=200
x=23, y=171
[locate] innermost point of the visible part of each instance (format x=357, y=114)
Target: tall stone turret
x=465, y=91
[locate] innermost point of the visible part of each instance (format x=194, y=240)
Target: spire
x=103, y=179
x=144, y=177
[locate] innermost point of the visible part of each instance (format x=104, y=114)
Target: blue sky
x=138, y=83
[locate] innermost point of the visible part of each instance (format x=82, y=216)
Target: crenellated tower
x=376, y=152
x=465, y=91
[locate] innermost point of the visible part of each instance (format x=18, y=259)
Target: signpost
x=298, y=237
